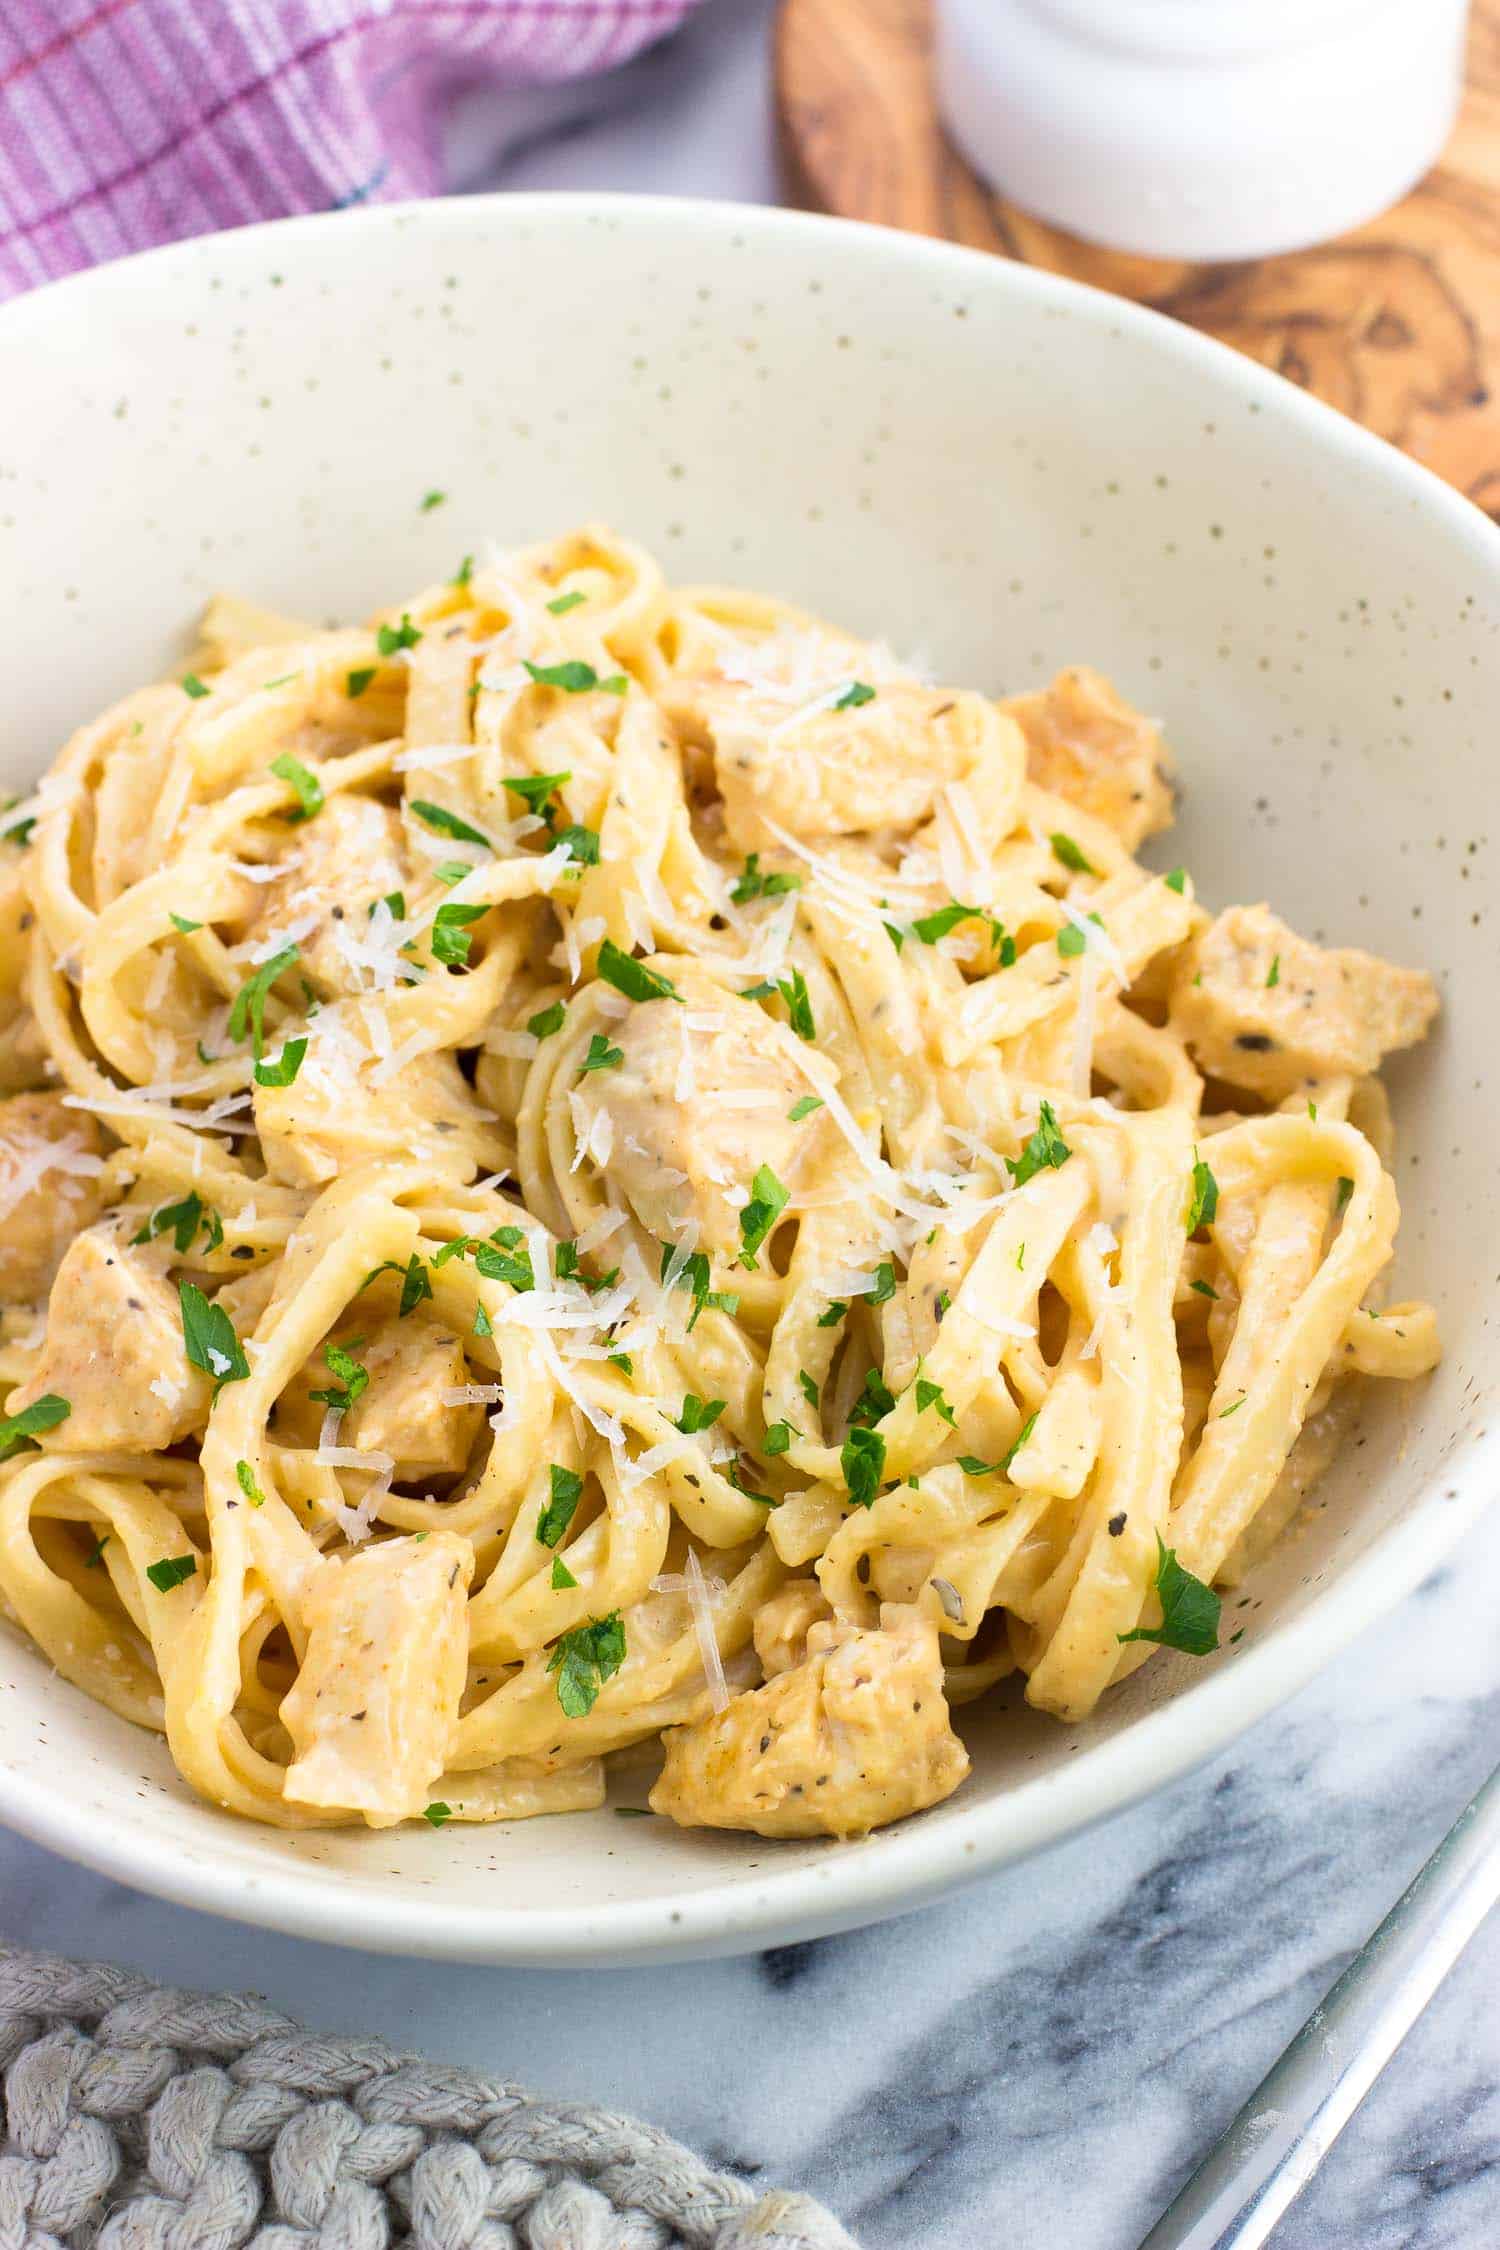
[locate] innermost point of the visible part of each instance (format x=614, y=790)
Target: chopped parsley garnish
x=735, y=1475
x=931, y=1394
x=698, y=1414
x=437, y=1812
x=1021, y=1437
x=632, y=977
x=394, y=902
x=175, y=1571
x=972, y=1466
x=193, y=686
x=209, y=1339
x=601, y=1055
x=1177, y=880
x=181, y=922
x=483, y=1326
x=502, y=1259
x=44, y=1413
x=565, y=602
x=567, y=1490
x=1070, y=854
x=431, y=500
x=768, y=1199
x=622, y=1360
x=415, y=1286
x=1232, y=1409
x=804, y=1108
x=809, y=1389
x=876, y=1399
x=245, y=1478
x=584, y=1659
x=1273, y=974
x=451, y=934
x=445, y=823
x=547, y=1020
x=18, y=831
x=181, y=1221
x=464, y=572
x=837, y=1307
x=358, y=680
x=896, y=936
x=537, y=790
x=856, y=693
x=94, y=1559
x=1071, y=941
x=1205, y=1289
x=1045, y=1150
x=751, y=883
x=1189, y=1609
x=883, y=1288
x=1204, y=1203
x=563, y=1580
x=353, y=1379
x=1345, y=1190
x=778, y=1437
x=247, y=1010
x=930, y=927
x=283, y=1071
x=694, y=1277
x=862, y=1461
x=583, y=843
x=303, y=782
x=575, y=677
x=390, y=639
x=793, y=990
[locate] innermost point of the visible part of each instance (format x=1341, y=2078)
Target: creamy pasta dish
x=596, y=1164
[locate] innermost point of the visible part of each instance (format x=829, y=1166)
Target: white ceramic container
x=1201, y=128
x=996, y=469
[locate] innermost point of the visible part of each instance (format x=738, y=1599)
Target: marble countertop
x=1043, y=2058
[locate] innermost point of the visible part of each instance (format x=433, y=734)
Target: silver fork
x=1291, y=2121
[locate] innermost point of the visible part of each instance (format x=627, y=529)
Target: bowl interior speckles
x=999, y=472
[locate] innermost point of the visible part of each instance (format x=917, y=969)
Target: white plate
x=999, y=471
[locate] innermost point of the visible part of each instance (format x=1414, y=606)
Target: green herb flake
x=193, y=686
x=778, y=1437
x=431, y=500
x=563, y=1581
x=44, y=1413
x=1021, y=1438
x=1273, y=974
x=415, y=1287
x=303, y=783
x=565, y=602
x=1070, y=854
x=1205, y=1289
x=862, y=1461
x=931, y=1394
x=883, y=1288
x=506, y=1261
x=632, y=977
x=358, y=680
x=248, y=1008
x=584, y=1659
x=391, y=639
x=209, y=1339
x=1203, y=1204
x=856, y=693
x=698, y=1414
x=793, y=990
x=1071, y=941
x=804, y=1108
x=752, y=883
x=622, y=1360
x=1177, y=880
x=181, y=1221
x=809, y=1389
x=284, y=1070
x=446, y=823
x=1345, y=1190
x=436, y=1813
x=174, y=1571
x=245, y=1478
x=582, y=843
x=1046, y=1149
x=572, y=676
x=547, y=1020
x=1232, y=1409
x=566, y=1487
x=537, y=790
x=94, y=1559
x=601, y=1055
x=837, y=1307
x=452, y=935
x=353, y=1378
x=181, y=922
x=483, y=1326
x=768, y=1199
x=896, y=936
x=1189, y=1609
x=464, y=572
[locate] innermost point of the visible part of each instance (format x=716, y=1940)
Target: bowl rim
x=907, y=1866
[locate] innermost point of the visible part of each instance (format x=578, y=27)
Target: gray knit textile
x=138, y=2117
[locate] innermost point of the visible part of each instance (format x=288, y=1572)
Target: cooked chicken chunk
x=1086, y=744
x=371, y=1711
x=1265, y=1009
x=855, y=1736
x=345, y=858
x=332, y=1116
x=412, y=1367
x=876, y=767
x=114, y=1350
x=700, y=1101
x=782, y=1624
x=49, y=1161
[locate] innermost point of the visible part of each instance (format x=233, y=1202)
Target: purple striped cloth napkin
x=129, y=122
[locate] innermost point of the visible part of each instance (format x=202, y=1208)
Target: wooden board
x=1397, y=323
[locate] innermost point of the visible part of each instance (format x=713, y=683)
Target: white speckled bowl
x=996, y=469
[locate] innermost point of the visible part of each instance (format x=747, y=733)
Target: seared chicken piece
x=1085, y=743
x=877, y=767
x=701, y=1099
x=331, y=1116
x=1265, y=1009
x=413, y=1366
x=345, y=858
x=855, y=1736
x=371, y=1711
x=782, y=1623
x=114, y=1350
x=49, y=1161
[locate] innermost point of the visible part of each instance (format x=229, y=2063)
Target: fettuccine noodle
x=597, y=1160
